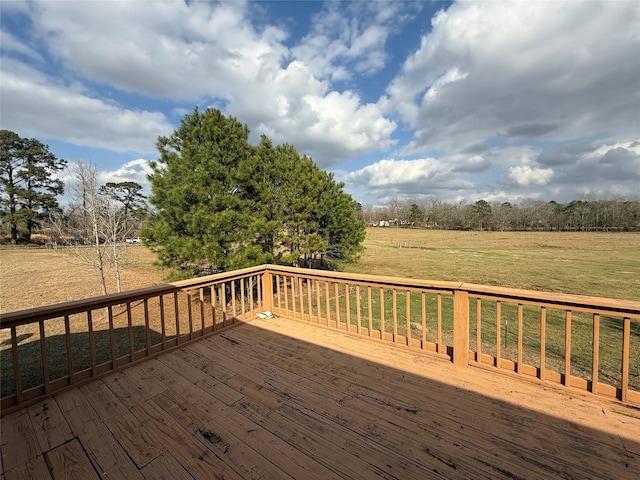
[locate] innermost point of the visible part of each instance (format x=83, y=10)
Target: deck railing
x=583, y=342
x=45, y=350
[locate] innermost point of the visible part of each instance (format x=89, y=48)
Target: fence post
x=461, y=327
x=267, y=290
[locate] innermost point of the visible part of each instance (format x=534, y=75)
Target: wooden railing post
x=461, y=327
x=267, y=290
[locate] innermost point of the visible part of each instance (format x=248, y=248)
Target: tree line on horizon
x=580, y=215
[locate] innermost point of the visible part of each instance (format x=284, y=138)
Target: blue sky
x=494, y=100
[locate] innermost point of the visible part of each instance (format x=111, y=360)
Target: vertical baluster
x=163, y=325
x=567, y=348
x=213, y=305
x=595, y=361
x=176, y=309
x=251, y=280
x=112, y=340
x=190, y=314
x=408, y=315
x=498, y=332
x=223, y=302
x=147, y=327
x=336, y=290
x=293, y=296
x=369, y=310
x=309, y=302
x=130, y=331
x=358, y=312
x=259, y=288
x=301, y=294
x=382, y=327
x=67, y=335
x=16, y=365
x=201, y=298
x=441, y=347
x=92, y=343
x=394, y=315
x=233, y=302
x=278, y=291
x=626, y=338
x=286, y=295
x=242, y=298
x=424, y=320
x=348, y=305
x=317, y=283
x=520, y=335
x=478, y=330
x=43, y=355
x=543, y=342
x=327, y=303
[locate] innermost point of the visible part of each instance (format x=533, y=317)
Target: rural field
x=597, y=264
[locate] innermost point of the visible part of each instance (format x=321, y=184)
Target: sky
x=462, y=101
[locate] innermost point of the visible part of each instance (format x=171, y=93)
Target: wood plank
x=165, y=467
x=107, y=455
x=439, y=445
x=191, y=453
x=297, y=394
x=256, y=391
x=455, y=405
x=49, y=424
x=196, y=376
x=135, y=438
x=232, y=451
x=19, y=442
x=325, y=444
x=36, y=468
x=103, y=400
x=69, y=462
x=192, y=412
x=128, y=391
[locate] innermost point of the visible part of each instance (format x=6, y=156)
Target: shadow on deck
x=282, y=399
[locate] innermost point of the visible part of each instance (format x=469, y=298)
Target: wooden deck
x=281, y=399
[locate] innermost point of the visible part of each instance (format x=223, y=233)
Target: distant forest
x=589, y=215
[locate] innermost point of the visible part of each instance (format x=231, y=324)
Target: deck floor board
x=285, y=399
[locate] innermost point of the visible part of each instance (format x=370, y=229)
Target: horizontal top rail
x=629, y=308
x=21, y=317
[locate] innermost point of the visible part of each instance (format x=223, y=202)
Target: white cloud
x=12, y=44
x=527, y=175
x=32, y=106
x=522, y=70
x=351, y=37
x=132, y=171
x=200, y=52
x=397, y=172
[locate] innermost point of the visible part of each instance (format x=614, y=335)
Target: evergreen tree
x=27, y=182
x=223, y=204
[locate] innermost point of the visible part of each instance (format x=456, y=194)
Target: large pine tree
x=223, y=204
x=27, y=182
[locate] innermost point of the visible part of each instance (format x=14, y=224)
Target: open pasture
x=594, y=264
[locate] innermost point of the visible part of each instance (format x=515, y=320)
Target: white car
x=134, y=240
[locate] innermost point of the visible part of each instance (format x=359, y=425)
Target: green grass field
x=596, y=264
